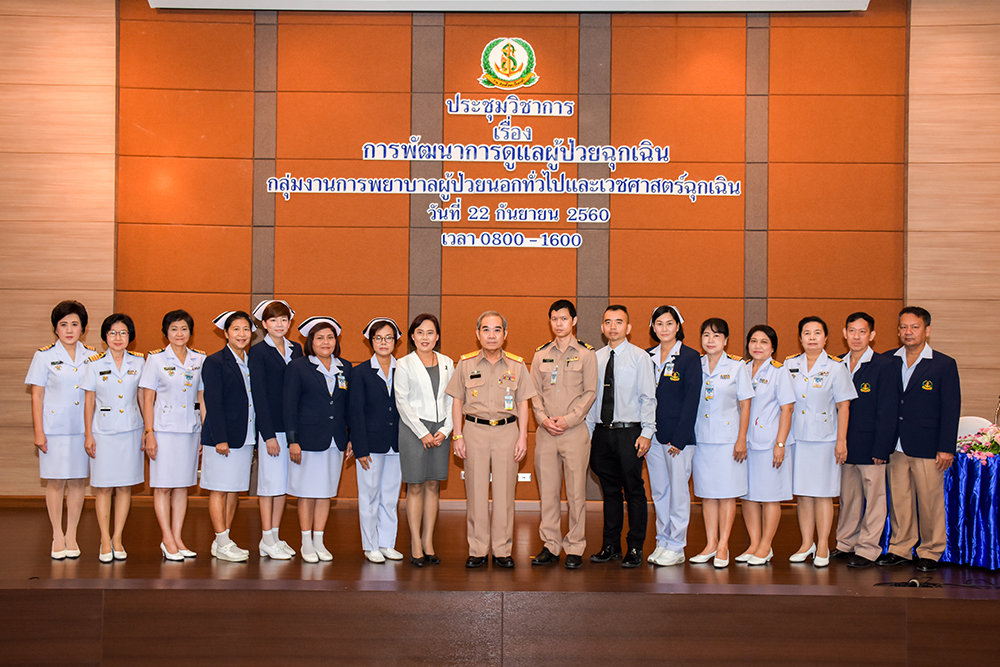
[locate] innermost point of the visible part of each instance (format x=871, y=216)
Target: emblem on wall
x=508, y=63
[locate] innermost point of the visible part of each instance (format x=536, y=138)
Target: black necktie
x=608, y=401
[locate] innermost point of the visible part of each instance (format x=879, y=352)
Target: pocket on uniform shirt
x=825, y=426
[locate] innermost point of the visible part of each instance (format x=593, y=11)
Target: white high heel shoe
x=801, y=556
x=701, y=558
x=754, y=560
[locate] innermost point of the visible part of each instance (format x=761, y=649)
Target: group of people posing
x=815, y=427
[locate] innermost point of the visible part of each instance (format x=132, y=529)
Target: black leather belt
x=619, y=425
x=491, y=422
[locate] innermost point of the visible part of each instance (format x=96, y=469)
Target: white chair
x=970, y=425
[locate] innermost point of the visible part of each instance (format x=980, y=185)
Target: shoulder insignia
x=586, y=345
x=152, y=352
x=791, y=356
x=90, y=347
x=543, y=346
x=468, y=356
x=136, y=354
x=734, y=357
x=97, y=356
x=837, y=359
x=776, y=364
x=513, y=357
x=47, y=347
x=201, y=352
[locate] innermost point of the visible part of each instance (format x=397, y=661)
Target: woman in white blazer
x=425, y=412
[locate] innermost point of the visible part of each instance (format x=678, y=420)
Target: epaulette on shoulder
x=543, y=346
x=90, y=347
x=734, y=357
x=836, y=358
x=202, y=352
x=95, y=357
x=152, y=352
x=468, y=356
x=586, y=345
x=513, y=357
x=776, y=364
x=136, y=354
x=47, y=347
x=791, y=356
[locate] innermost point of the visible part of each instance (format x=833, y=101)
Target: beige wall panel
x=78, y=188
x=19, y=463
x=954, y=12
x=31, y=329
x=57, y=119
x=966, y=330
x=82, y=8
x=15, y=396
x=960, y=59
x=86, y=259
x=954, y=197
x=980, y=387
x=948, y=263
x=57, y=50
x=954, y=128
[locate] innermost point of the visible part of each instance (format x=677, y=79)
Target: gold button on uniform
x=76, y=386
x=76, y=402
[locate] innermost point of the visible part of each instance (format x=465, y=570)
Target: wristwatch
x=780, y=445
x=457, y=437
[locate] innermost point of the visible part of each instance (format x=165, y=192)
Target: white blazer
x=414, y=397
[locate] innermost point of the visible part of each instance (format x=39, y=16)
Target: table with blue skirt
x=972, y=507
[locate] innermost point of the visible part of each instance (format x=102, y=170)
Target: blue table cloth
x=972, y=508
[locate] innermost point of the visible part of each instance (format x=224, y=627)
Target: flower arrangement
x=981, y=445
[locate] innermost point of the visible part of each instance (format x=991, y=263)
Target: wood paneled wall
x=57, y=194
x=953, y=232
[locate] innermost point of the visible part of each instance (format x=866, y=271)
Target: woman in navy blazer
x=678, y=383
x=374, y=421
x=268, y=360
x=229, y=429
x=316, y=428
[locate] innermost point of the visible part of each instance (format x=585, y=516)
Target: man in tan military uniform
x=564, y=373
x=491, y=389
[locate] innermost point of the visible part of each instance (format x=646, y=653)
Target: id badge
x=188, y=379
x=709, y=391
x=554, y=376
x=341, y=381
x=508, y=401
x=668, y=369
x=818, y=382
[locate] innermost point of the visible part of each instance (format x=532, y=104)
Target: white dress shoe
x=375, y=556
x=168, y=555
x=58, y=555
x=286, y=547
x=754, y=560
x=73, y=553
x=274, y=552
x=187, y=553
x=391, y=553
x=119, y=555
x=323, y=554
x=310, y=558
x=801, y=556
x=657, y=552
x=720, y=563
x=214, y=548
x=744, y=557
x=231, y=553
x=701, y=558
x=820, y=561
x=668, y=558
x=106, y=558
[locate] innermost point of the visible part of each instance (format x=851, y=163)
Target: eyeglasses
x=387, y=339
x=123, y=334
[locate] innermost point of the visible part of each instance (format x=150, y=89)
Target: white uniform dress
x=232, y=473
x=772, y=389
x=318, y=476
x=716, y=473
x=815, y=472
x=272, y=471
x=176, y=420
x=62, y=410
x=117, y=425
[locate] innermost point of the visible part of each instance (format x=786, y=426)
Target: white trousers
x=378, y=495
x=669, y=478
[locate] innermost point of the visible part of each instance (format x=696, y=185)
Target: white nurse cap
x=258, y=312
x=220, y=321
x=680, y=318
x=311, y=323
x=367, y=333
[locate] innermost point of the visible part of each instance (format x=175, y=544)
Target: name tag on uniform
x=475, y=375
x=341, y=381
x=105, y=409
x=793, y=371
x=104, y=372
x=548, y=361
x=55, y=363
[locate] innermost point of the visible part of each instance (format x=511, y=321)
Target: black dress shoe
x=431, y=559
x=573, y=562
x=890, y=558
x=633, y=558
x=606, y=554
x=503, y=561
x=857, y=560
x=417, y=562
x=926, y=565
x=475, y=561
x=842, y=555
x=544, y=557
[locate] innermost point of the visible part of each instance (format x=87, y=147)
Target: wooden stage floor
x=350, y=611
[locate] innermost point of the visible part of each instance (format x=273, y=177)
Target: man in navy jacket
x=929, y=408
x=871, y=437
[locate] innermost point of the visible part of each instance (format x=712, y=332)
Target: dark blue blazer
x=267, y=381
x=677, y=400
x=227, y=406
x=930, y=407
x=374, y=418
x=871, y=426
x=314, y=417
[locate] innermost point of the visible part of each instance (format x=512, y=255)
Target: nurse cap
x=220, y=321
x=258, y=312
x=311, y=322
x=680, y=318
x=367, y=333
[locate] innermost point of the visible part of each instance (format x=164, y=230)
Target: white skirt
x=815, y=472
x=272, y=471
x=66, y=457
x=716, y=473
x=318, y=476
x=118, y=460
x=768, y=485
x=226, y=473
x=176, y=464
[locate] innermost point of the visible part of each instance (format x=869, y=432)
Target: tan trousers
x=568, y=453
x=490, y=449
x=862, y=509
x=916, y=482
